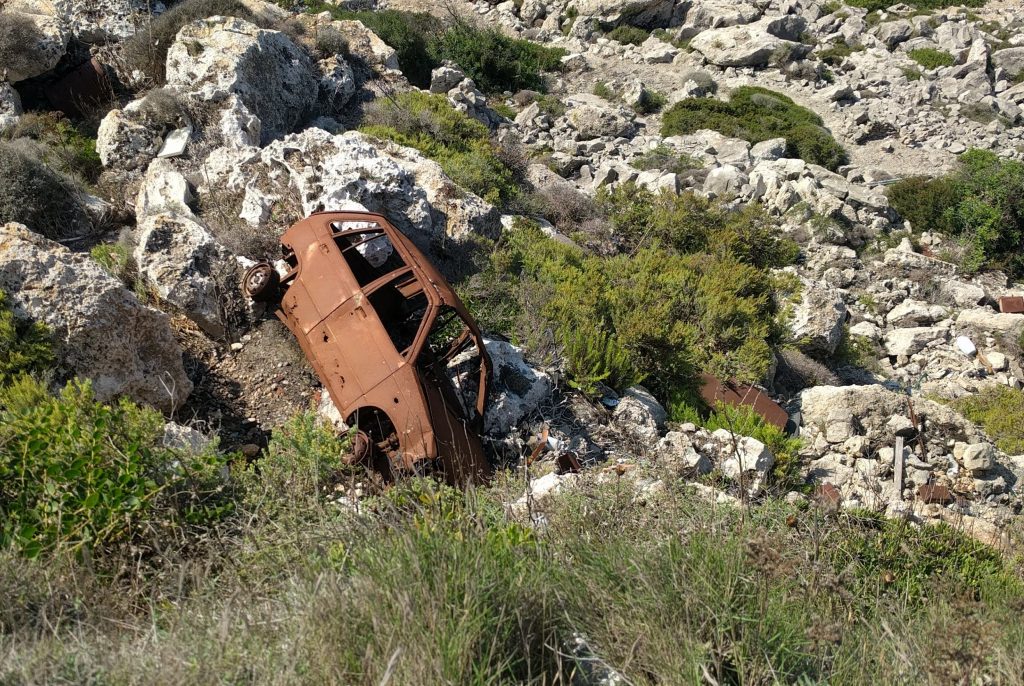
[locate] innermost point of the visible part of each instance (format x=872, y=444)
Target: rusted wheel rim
x=260, y=281
x=362, y=448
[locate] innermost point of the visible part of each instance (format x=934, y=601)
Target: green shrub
x=998, y=410
x=628, y=35
x=411, y=34
x=757, y=114
x=77, y=473
x=496, y=62
x=691, y=224
x=25, y=346
x=460, y=144
x=930, y=58
x=878, y=5
x=666, y=159
x=978, y=205
x=147, y=49
x=650, y=102
x=33, y=194
x=835, y=53
x=602, y=90
x=66, y=149
x=303, y=463
x=493, y=60
x=651, y=314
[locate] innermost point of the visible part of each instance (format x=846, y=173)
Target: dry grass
x=429, y=586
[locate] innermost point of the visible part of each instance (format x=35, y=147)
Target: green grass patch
x=757, y=114
x=930, y=58
x=999, y=411
x=460, y=144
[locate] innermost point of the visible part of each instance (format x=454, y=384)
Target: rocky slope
x=259, y=136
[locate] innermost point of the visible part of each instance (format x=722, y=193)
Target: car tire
x=261, y=282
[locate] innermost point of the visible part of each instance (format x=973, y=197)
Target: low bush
x=628, y=35
x=651, y=314
x=302, y=464
x=650, y=102
x=978, y=205
x=757, y=114
x=460, y=144
x=879, y=5
x=25, y=346
x=602, y=90
x=66, y=149
x=998, y=410
x=691, y=224
x=423, y=42
x=496, y=62
x=835, y=53
x=33, y=194
x=76, y=473
x=666, y=159
x=930, y=58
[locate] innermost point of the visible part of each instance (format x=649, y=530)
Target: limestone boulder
x=214, y=58
x=101, y=331
x=40, y=30
x=818, y=318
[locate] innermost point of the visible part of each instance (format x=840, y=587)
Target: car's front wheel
x=261, y=282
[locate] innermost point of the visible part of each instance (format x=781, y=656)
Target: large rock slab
x=187, y=268
x=646, y=13
x=216, y=57
x=40, y=31
x=817, y=321
x=594, y=117
x=355, y=171
x=101, y=330
x=751, y=45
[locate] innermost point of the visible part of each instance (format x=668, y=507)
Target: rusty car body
x=381, y=327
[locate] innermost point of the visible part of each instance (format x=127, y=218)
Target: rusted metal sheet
x=80, y=90
x=1012, y=304
x=935, y=494
x=827, y=496
x=380, y=325
x=715, y=391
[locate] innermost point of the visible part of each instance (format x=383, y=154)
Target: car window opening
x=400, y=315
x=369, y=254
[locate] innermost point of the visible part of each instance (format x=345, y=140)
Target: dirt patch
x=244, y=393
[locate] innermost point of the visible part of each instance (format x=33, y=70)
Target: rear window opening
x=369, y=254
x=400, y=311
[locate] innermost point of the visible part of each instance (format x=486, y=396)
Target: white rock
x=44, y=40
x=912, y=340
x=677, y=448
x=818, y=318
x=10, y=106
x=101, y=331
x=272, y=77
x=978, y=457
x=518, y=389
x=186, y=267
x=640, y=415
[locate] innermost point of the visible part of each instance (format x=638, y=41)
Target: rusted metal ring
x=261, y=282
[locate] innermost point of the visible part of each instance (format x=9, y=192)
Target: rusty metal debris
x=396, y=349
x=80, y=90
x=1012, y=304
x=715, y=391
x=934, y=494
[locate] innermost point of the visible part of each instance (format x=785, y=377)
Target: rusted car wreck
x=396, y=349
